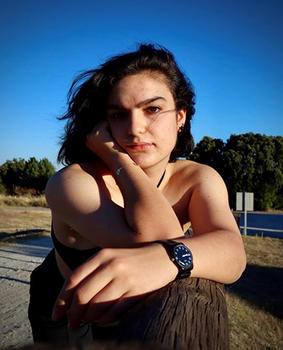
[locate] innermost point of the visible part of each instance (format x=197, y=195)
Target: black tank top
x=71, y=256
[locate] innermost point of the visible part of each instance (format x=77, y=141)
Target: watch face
x=183, y=257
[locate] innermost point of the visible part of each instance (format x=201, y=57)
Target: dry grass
x=252, y=327
x=254, y=302
x=22, y=223
x=23, y=201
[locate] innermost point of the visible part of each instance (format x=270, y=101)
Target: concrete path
x=17, y=261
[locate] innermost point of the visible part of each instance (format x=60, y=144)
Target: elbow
x=238, y=264
x=238, y=271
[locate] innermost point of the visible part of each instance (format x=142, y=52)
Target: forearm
x=218, y=255
x=135, y=272
x=147, y=211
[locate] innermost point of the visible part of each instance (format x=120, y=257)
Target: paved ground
x=16, y=263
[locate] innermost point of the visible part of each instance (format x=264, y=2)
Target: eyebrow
x=140, y=104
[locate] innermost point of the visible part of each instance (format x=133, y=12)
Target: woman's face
x=142, y=118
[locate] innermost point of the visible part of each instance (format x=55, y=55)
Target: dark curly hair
x=87, y=99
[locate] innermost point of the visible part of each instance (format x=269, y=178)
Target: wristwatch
x=180, y=255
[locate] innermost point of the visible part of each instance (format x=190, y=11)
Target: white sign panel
x=245, y=201
x=239, y=201
x=249, y=201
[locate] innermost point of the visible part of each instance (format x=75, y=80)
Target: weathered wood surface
x=187, y=314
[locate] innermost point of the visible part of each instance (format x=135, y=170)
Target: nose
x=137, y=123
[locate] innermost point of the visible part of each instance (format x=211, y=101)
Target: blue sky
x=231, y=50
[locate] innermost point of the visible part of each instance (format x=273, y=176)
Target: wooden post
x=186, y=314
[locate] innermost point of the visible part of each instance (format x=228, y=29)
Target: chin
x=143, y=160
x=146, y=161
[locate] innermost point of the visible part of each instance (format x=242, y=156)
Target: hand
x=111, y=281
x=101, y=142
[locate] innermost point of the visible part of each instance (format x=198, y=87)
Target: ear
x=181, y=117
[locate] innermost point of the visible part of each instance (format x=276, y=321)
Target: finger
x=63, y=301
x=118, y=309
x=75, y=317
x=79, y=304
x=64, y=298
x=85, y=292
x=104, y=300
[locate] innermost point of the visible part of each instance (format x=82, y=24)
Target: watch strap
x=169, y=246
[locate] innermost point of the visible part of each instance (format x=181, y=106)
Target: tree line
x=19, y=176
x=248, y=163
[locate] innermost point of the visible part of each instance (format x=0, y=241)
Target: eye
x=153, y=109
x=116, y=115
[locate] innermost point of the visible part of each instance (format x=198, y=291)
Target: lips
x=138, y=146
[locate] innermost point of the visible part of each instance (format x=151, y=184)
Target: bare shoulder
x=71, y=181
x=69, y=172
x=65, y=176
x=208, y=199
x=196, y=174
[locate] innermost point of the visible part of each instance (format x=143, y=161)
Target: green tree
x=2, y=187
x=12, y=174
x=209, y=151
x=31, y=174
x=255, y=167
x=46, y=170
x=248, y=162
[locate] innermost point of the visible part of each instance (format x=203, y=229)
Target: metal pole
x=245, y=213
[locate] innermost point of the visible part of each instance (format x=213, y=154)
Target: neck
x=156, y=173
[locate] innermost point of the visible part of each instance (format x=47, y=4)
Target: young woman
x=123, y=190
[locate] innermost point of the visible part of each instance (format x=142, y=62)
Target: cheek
x=115, y=126
x=167, y=134
x=116, y=131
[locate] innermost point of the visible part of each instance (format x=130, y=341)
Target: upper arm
x=76, y=200
x=209, y=206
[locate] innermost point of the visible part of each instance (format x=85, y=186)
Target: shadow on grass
x=23, y=235
x=261, y=286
